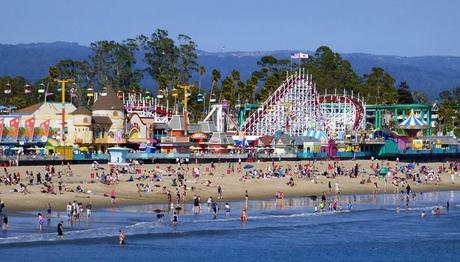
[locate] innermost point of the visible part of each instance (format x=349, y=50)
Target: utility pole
x=186, y=94
x=63, y=82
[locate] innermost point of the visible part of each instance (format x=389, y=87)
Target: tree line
x=174, y=60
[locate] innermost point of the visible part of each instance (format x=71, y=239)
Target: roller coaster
x=296, y=108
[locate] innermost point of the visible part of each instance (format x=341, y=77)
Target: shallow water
x=277, y=230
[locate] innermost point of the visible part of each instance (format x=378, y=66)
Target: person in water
x=60, y=230
x=40, y=221
x=5, y=222
x=227, y=209
x=244, y=215
x=174, y=219
x=422, y=215
x=121, y=237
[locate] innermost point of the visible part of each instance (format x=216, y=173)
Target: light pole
x=63, y=82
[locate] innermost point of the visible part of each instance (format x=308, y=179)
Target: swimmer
x=244, y=215
x=227, y=209
x=316, y=208
x=349, y=205
x=160, y=217
x=422, y=215
x=121, y=237
x=397, y=210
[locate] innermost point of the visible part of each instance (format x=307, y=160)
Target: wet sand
x=232, y=186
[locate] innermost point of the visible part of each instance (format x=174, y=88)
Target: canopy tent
x=317, y=134
x=412, y=122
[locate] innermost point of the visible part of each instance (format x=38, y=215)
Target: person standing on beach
x=219, y=192
x=60, y=230
x=452, y=178
x=113, y=196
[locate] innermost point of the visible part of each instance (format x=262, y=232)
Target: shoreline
x=233, y=188
x=139, y=202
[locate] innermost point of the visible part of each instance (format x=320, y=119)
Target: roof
x=177, y=122
x=220, y=138
x=208, y=127
x=266, y=140
x=108, y=102
x=29, y=110
x=162, y=126
x=105, y=120
x=300, y=140
x=284, y=139
x=412, y=122
x=194, y=128
x=81, y=110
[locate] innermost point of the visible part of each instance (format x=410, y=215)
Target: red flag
x=14, y=125
x=45, y=127
x=30, y=126
x=2, y=120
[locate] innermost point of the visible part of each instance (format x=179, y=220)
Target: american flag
x=299, y=55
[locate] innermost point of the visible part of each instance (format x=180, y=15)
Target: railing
x=215, y=156
x=30, y=157
x=429, y=151
x=91, y=157
x=171, y=155
x=311, y=155
x=276, y=155
x=140, y=155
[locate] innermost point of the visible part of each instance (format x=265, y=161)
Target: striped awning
x=320, y=135
x=412, y=122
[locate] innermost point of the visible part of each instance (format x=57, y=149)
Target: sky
x=390, y=27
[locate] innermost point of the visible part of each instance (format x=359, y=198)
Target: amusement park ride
x=296, y=108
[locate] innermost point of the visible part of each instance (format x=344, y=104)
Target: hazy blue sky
x=400, y=27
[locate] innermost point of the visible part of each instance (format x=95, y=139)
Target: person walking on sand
x=219, y=192
x=113, y=196
x=337, y=188
x=60, y=230
x=452, y=178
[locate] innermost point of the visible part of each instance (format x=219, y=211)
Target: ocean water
x=277, y=230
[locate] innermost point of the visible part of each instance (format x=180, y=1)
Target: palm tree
x=215, y=79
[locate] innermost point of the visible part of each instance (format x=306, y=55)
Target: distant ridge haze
x=428, y=74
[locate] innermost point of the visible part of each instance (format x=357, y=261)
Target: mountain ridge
x=423, y=73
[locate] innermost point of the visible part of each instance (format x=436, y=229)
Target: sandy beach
x=233, y=186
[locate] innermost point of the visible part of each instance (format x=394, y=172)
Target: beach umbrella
x=248, y=166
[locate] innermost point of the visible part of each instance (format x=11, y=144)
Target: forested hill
x=428, y=74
